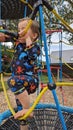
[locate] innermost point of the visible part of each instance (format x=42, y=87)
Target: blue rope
x=25, y=10
x=53, y=106
x=60, y=57
x=48, y=67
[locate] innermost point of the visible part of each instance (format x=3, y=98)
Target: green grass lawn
x=44, y=78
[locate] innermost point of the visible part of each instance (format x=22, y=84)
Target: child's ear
x=35, y=36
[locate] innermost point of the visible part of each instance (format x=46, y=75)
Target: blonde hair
x=34, y=26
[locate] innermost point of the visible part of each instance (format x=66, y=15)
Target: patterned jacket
x=24, y=60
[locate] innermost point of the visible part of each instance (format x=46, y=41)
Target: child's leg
x=23, y=127
x=24, y=99
x=22, y=86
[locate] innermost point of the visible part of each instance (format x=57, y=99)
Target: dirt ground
x=64, y=95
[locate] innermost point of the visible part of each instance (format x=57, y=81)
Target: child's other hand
x=28, y=41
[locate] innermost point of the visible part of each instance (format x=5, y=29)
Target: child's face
x=21, y=28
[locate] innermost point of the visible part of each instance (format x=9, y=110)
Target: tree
x=65, y=9
x=6, y=58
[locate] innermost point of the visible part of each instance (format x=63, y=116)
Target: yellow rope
x=7, y=74
x=69, y=44
x=40, y=95
x=27, y=4
x=64, y=63
x=64, y=84
x=36, y=101
x=6, y=96
x=11, y=50
x=55, y=13
x=67, y=65
x=9, y=105
x=27, y=27
x=62, y=20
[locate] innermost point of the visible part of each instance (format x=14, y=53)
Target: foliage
x=65, y=9
x=6, y=58
x=11, y=25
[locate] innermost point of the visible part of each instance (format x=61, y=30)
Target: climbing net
x=45, y=117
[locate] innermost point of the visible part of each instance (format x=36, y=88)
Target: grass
x=44, y=78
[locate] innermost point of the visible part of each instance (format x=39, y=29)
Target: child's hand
x=3, y=37
x=22, y=113
x=28, y=41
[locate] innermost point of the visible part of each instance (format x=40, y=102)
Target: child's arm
x=7, y=36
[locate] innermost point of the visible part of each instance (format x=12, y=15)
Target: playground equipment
x=14, y=9
x=44, y=116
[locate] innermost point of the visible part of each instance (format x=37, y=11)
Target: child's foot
x=22, y=113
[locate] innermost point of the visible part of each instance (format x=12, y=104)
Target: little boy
x=24, y=79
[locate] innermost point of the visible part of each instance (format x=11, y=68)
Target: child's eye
x=21, y=29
